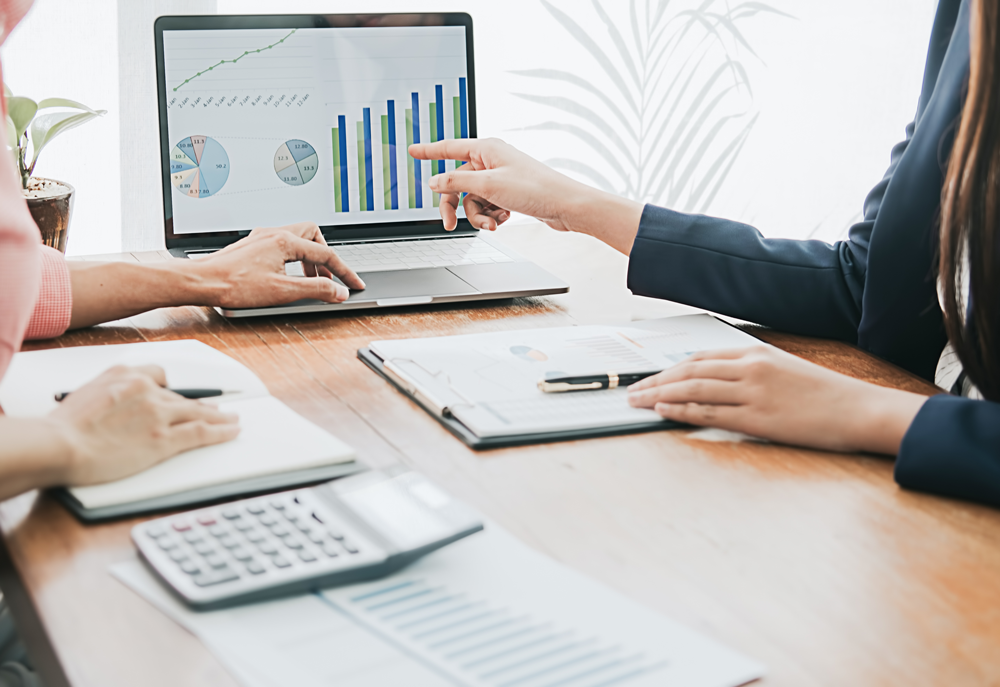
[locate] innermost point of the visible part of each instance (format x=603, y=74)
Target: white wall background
x=831, y=88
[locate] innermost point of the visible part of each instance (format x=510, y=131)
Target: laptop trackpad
x=410, y=284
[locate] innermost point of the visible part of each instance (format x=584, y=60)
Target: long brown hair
x=970, y=213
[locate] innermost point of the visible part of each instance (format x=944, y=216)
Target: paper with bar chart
x=487, y=611
x=314, y=123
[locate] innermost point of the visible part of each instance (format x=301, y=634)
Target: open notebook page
x=273, y=439
x=489, y=381
x=34, y=378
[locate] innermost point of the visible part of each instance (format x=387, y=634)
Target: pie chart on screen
x=199, y=166
x=295, y=162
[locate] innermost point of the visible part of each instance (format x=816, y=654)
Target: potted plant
x=29, y=129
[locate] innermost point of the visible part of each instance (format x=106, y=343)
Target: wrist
x=608, y=217
x=884, y=416
x=195, y=282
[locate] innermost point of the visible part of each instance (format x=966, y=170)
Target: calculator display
x=393, y=511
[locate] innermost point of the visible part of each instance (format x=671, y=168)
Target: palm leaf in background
x=675, y=108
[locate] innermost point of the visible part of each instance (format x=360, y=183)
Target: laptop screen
x=269, y=126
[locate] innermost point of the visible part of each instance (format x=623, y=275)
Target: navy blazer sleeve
x=953, y=449
x=876, y=289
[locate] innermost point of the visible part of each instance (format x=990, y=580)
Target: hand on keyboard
x=251, y=272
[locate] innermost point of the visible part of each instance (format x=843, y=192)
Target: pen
x=186, y=393
x=605, y=380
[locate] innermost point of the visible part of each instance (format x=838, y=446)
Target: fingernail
x=485, y=225
x=342, y=292
x=434, y=184
x=363, y=285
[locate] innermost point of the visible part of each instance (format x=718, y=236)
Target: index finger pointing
x=449, y=149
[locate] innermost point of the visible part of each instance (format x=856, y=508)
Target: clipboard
x=478, y=443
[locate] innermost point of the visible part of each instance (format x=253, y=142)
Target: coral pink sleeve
x=55, y=298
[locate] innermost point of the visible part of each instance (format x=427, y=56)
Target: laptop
x=269, y=120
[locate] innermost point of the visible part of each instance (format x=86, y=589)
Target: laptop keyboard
x=382, y=256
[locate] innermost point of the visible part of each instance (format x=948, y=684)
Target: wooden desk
x=816, y=563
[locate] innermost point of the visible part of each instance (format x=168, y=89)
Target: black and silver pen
x=186, y=393
x=605, y=380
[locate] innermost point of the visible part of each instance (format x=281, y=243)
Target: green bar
x=386, y=179
x=337, y=203
x=457, y=108
x=411, y=182
x=432, y=108
x=362, y=186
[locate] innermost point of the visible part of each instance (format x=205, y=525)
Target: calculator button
x=231, y=514
x=255, y=568
x=207, y=579
x=193, y=537
x=278, y=505
x=190, y=567
x=215, y=560
x=268, y=519
x=155, y=531
x=228, y=541
x=280, y=531
x=181, y=525
x=254, y=536
x=293, y=516
x=293, y=544
x=241, y=554
x=330, y=549
x=307, y=556
x=217, y=530
x=349, y=547
x=167, y=543
x=316, y=537
x=244, y=525
x=206, y=520
x=255, y=509
x=304, y=527
x=335, y=534
x=178, y=555
x=203, y=549
x=268, y=548
x=281, y=561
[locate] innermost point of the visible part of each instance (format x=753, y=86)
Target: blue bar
x=417, y=164
x=342, y=132
x=392, y=154
x=369, y=184
x=463, y=106
x=440, y=122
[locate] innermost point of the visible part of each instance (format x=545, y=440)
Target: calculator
x=356, y=528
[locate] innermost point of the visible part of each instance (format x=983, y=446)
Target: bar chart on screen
x=402, y=186
x=384, y=96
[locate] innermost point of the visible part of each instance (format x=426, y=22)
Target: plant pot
x=51, y=205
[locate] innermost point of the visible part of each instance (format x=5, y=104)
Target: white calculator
x=357, y=528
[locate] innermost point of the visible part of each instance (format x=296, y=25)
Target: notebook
x=484, y=387
x=277, y=448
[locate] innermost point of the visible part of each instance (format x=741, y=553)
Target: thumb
x=318, y=288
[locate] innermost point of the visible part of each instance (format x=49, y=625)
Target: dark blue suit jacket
x=876, y=289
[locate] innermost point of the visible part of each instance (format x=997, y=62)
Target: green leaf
x=22, y=111
x=7, y=93
x=64, y=102
x=11, y=135
x=47, y=127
